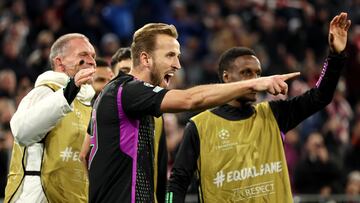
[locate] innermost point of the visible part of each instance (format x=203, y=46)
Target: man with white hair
x=50, y=125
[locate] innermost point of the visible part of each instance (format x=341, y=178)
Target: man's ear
x=145, y=59
x=58, y=65
x=225, y=76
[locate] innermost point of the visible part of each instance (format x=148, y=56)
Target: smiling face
x=165, y=60
x=243, y=68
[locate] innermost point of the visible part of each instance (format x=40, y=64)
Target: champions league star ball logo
x=224, y=134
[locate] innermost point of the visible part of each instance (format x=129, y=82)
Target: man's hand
x=339, y=27
x=274, y=84
x=84, y=76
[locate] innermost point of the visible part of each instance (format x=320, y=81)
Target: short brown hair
x=144, y=38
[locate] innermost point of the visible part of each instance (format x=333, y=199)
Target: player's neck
x=239, y=105
x=140, y=75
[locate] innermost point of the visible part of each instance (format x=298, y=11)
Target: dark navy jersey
x=121, y=159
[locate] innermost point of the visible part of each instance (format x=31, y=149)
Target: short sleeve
x=140, y=98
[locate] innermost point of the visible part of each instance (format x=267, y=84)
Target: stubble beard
x=155, y=76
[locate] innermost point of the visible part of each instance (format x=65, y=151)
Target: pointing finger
x=288, y=76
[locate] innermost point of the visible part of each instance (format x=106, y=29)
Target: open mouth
x=167, y=78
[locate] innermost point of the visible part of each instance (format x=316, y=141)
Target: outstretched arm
x=208, y=96
x=289, y=113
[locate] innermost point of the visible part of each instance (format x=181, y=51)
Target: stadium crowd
x=288, y=35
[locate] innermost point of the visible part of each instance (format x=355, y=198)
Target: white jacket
x=37, y=114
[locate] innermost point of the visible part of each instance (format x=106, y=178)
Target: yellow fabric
x=242, y=161
x=158, y=132
x=63, y=176
x=16, y=172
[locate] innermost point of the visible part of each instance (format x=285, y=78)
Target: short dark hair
x=100, y=62
x=123, y=53
x=229, y=56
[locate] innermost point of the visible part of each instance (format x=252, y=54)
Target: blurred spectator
x=292, y=153
x=287, y=35
x=191, y=56
x=24, y=86
x=313, y=123
x=109, y=44
x=8, y=83
x=7, y=109
x=316, y=173
x=12, y=60
x=118, y=16
x=121, y=61
x=311, y=68
x=353, y=6
x=52, y=20
x=353, y=71
x=353, y=184
x=352, y=160
x=316, y=31
x=38, y=60
x=178, y=80
x=83, y=17
x=103, y=74
x=185, y=16
x=13, y=42
x=357, y=111
x=174, y=133
x=35, y=7
x=337, y=126
x=5, y=153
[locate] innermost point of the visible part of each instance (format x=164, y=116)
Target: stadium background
x=287, y=35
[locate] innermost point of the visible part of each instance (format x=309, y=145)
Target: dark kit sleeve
x=140, y=99
x=185, y=165
x=289, y=113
